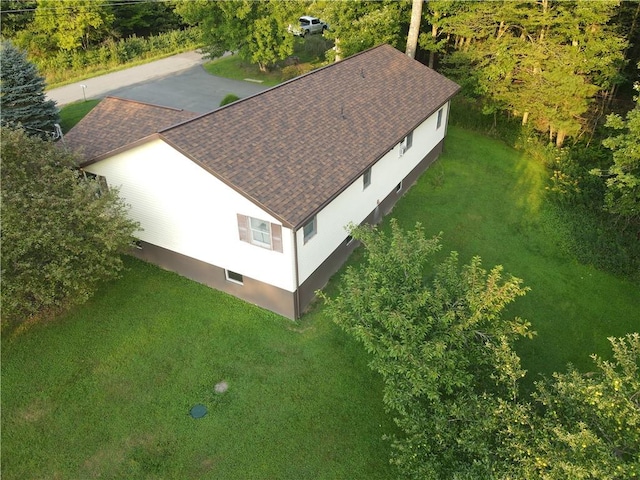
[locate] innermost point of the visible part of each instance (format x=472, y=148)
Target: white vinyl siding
x=185, y=209
x=354, y=204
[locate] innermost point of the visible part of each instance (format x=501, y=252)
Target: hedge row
x=67, y=65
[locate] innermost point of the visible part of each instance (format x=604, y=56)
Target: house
x=253, y=198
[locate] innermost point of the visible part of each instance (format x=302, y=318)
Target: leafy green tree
x=22, y=98
x=589, y=425
x=623, y=177
x=73, y=24
x=358, y=25
x=544, y=61
x=438, y=336
x=257, y=31
x=62, y=233
x=439, y=340
x=143, y=18
x=270, y=45
x=15, y=16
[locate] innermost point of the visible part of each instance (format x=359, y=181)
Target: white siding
x=355, y=204
x=183, y=208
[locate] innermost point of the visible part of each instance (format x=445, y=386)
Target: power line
x=56, y=10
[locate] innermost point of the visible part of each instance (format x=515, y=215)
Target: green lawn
x=489, y=200
x=105, y=391
x=310, y=52
x=74, y=112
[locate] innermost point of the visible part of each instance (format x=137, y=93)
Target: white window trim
x=258, y=242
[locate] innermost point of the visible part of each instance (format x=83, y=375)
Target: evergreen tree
x=22, y=98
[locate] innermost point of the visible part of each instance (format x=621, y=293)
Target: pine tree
x=22, y=98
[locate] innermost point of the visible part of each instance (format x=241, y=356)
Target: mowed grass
x=74, y=112
x=309, y=51
x=105, y=391
x=490, y=200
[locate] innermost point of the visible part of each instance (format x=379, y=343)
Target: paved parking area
x=179, y=81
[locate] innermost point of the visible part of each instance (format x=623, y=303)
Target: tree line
x=552, y=70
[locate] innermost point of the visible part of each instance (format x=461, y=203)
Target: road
x=178, y=81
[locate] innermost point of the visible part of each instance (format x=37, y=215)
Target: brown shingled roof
x=295, y=147
x=117, y=122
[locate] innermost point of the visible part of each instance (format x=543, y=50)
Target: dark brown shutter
x=243, y=227
x=276, y=237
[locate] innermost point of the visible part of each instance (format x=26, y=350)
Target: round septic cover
x=198, y=411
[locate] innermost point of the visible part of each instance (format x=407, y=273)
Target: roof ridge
x=148, y=104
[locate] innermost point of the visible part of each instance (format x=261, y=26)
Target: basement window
x=399, y=187
x=234, y=277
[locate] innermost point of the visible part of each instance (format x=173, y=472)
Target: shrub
x=229, y=98
x=61, y=232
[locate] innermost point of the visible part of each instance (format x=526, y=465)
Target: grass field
x=489, y=200
x=105, y=391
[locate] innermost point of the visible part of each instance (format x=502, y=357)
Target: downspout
x=296, y=305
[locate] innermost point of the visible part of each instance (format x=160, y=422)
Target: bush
x=230, y=98
x=61, y=232
x=62, y=66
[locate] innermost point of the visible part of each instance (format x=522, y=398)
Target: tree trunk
x=545, y=9
x=525, y=118
x=432, y=53
x=336, y=49
x=414, y=28
x=560, y=138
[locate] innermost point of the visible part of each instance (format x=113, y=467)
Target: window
x=260, y=232
x=439, y=124
x=234, y=277
x=399, y=187
x=309, y=229
x=349, y=240
x=406, y=143
x=366, y=178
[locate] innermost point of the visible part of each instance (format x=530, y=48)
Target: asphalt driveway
x=179, y=81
